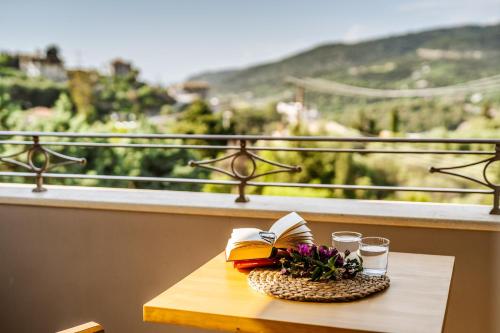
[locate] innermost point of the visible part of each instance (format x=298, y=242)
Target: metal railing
x=245, y=148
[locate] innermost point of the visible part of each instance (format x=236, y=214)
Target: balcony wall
x=72, y=255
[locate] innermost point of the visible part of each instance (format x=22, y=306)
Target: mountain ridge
x=334, y=60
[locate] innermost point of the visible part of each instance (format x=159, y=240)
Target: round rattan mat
x=273, y=283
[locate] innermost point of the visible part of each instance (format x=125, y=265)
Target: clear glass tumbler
x=346, y=240
x=375, y=254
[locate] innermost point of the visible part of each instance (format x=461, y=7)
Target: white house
x=42, y=66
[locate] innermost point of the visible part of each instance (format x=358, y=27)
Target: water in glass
x=375, y=252
x=346, y=240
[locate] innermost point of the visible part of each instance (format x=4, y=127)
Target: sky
x=171, y=40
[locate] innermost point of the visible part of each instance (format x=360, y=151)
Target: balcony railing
x=39, y=158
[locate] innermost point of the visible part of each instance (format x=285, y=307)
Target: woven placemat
x=273, y=283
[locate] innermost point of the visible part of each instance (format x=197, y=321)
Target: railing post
x=39, y=184
x=496, y=202
x=243, y=180
x=241, y=191
x=496, y=188
x=38, y=170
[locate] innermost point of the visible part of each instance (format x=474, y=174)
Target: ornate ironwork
x=34, y=148
x=46, y=165
x=243, y=179
x=485, y=181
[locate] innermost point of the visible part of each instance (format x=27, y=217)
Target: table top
x=217, y=296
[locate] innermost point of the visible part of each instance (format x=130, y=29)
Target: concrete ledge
x=404, y=214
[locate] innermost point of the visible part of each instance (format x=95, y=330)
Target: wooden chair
x=91, y=327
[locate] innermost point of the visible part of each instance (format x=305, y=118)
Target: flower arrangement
x=319, y=263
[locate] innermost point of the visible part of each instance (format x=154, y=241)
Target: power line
x=481, y=85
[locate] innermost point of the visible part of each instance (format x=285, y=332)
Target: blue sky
x=170, y=40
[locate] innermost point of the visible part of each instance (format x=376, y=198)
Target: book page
x=286, y=223
x=246, y=234
x=300, y=229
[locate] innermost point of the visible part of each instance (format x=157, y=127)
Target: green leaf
x=328, y=275
x=331, y=261
x=316, y=273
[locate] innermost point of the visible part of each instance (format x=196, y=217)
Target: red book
x=252, y=263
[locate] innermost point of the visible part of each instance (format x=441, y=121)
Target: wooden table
x=216, y=296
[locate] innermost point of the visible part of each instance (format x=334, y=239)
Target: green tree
x=255, y=121
x=198, y=118
x=81, y=84
x=52, y=53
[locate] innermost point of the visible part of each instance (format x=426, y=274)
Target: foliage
x=124, y=95
x=8, y=60
x=31, y=92
x=255, y=121
x=198, y=118
x=169, y=163
x=80, y=85
x=52, y=53
x=414, y=115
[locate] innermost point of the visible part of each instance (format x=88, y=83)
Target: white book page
x=286, y=223
x=298, y=230
x=246, y=234
x=300, y=236
x=292, y=243
x=244, y=237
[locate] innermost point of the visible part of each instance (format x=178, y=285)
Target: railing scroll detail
x=243, y=179
x=485, y=181
x=46, y=165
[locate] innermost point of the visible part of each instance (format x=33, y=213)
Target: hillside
x=431, y=58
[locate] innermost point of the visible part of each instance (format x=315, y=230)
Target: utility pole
x=300, y=93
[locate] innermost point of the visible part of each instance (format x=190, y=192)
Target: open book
x=253, y=243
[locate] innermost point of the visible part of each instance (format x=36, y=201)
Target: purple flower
x=339, y=262
x=305, y=250
x=325, y=252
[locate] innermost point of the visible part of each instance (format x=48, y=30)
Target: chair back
x=91, y=327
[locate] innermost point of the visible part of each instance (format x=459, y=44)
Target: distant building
x=296, y=113
x=48, y=66
x=189, y=91
x=120, y=67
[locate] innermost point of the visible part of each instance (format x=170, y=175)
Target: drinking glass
x=346, y=240
x=375, y=252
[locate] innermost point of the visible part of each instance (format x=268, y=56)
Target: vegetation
x=319, y=263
